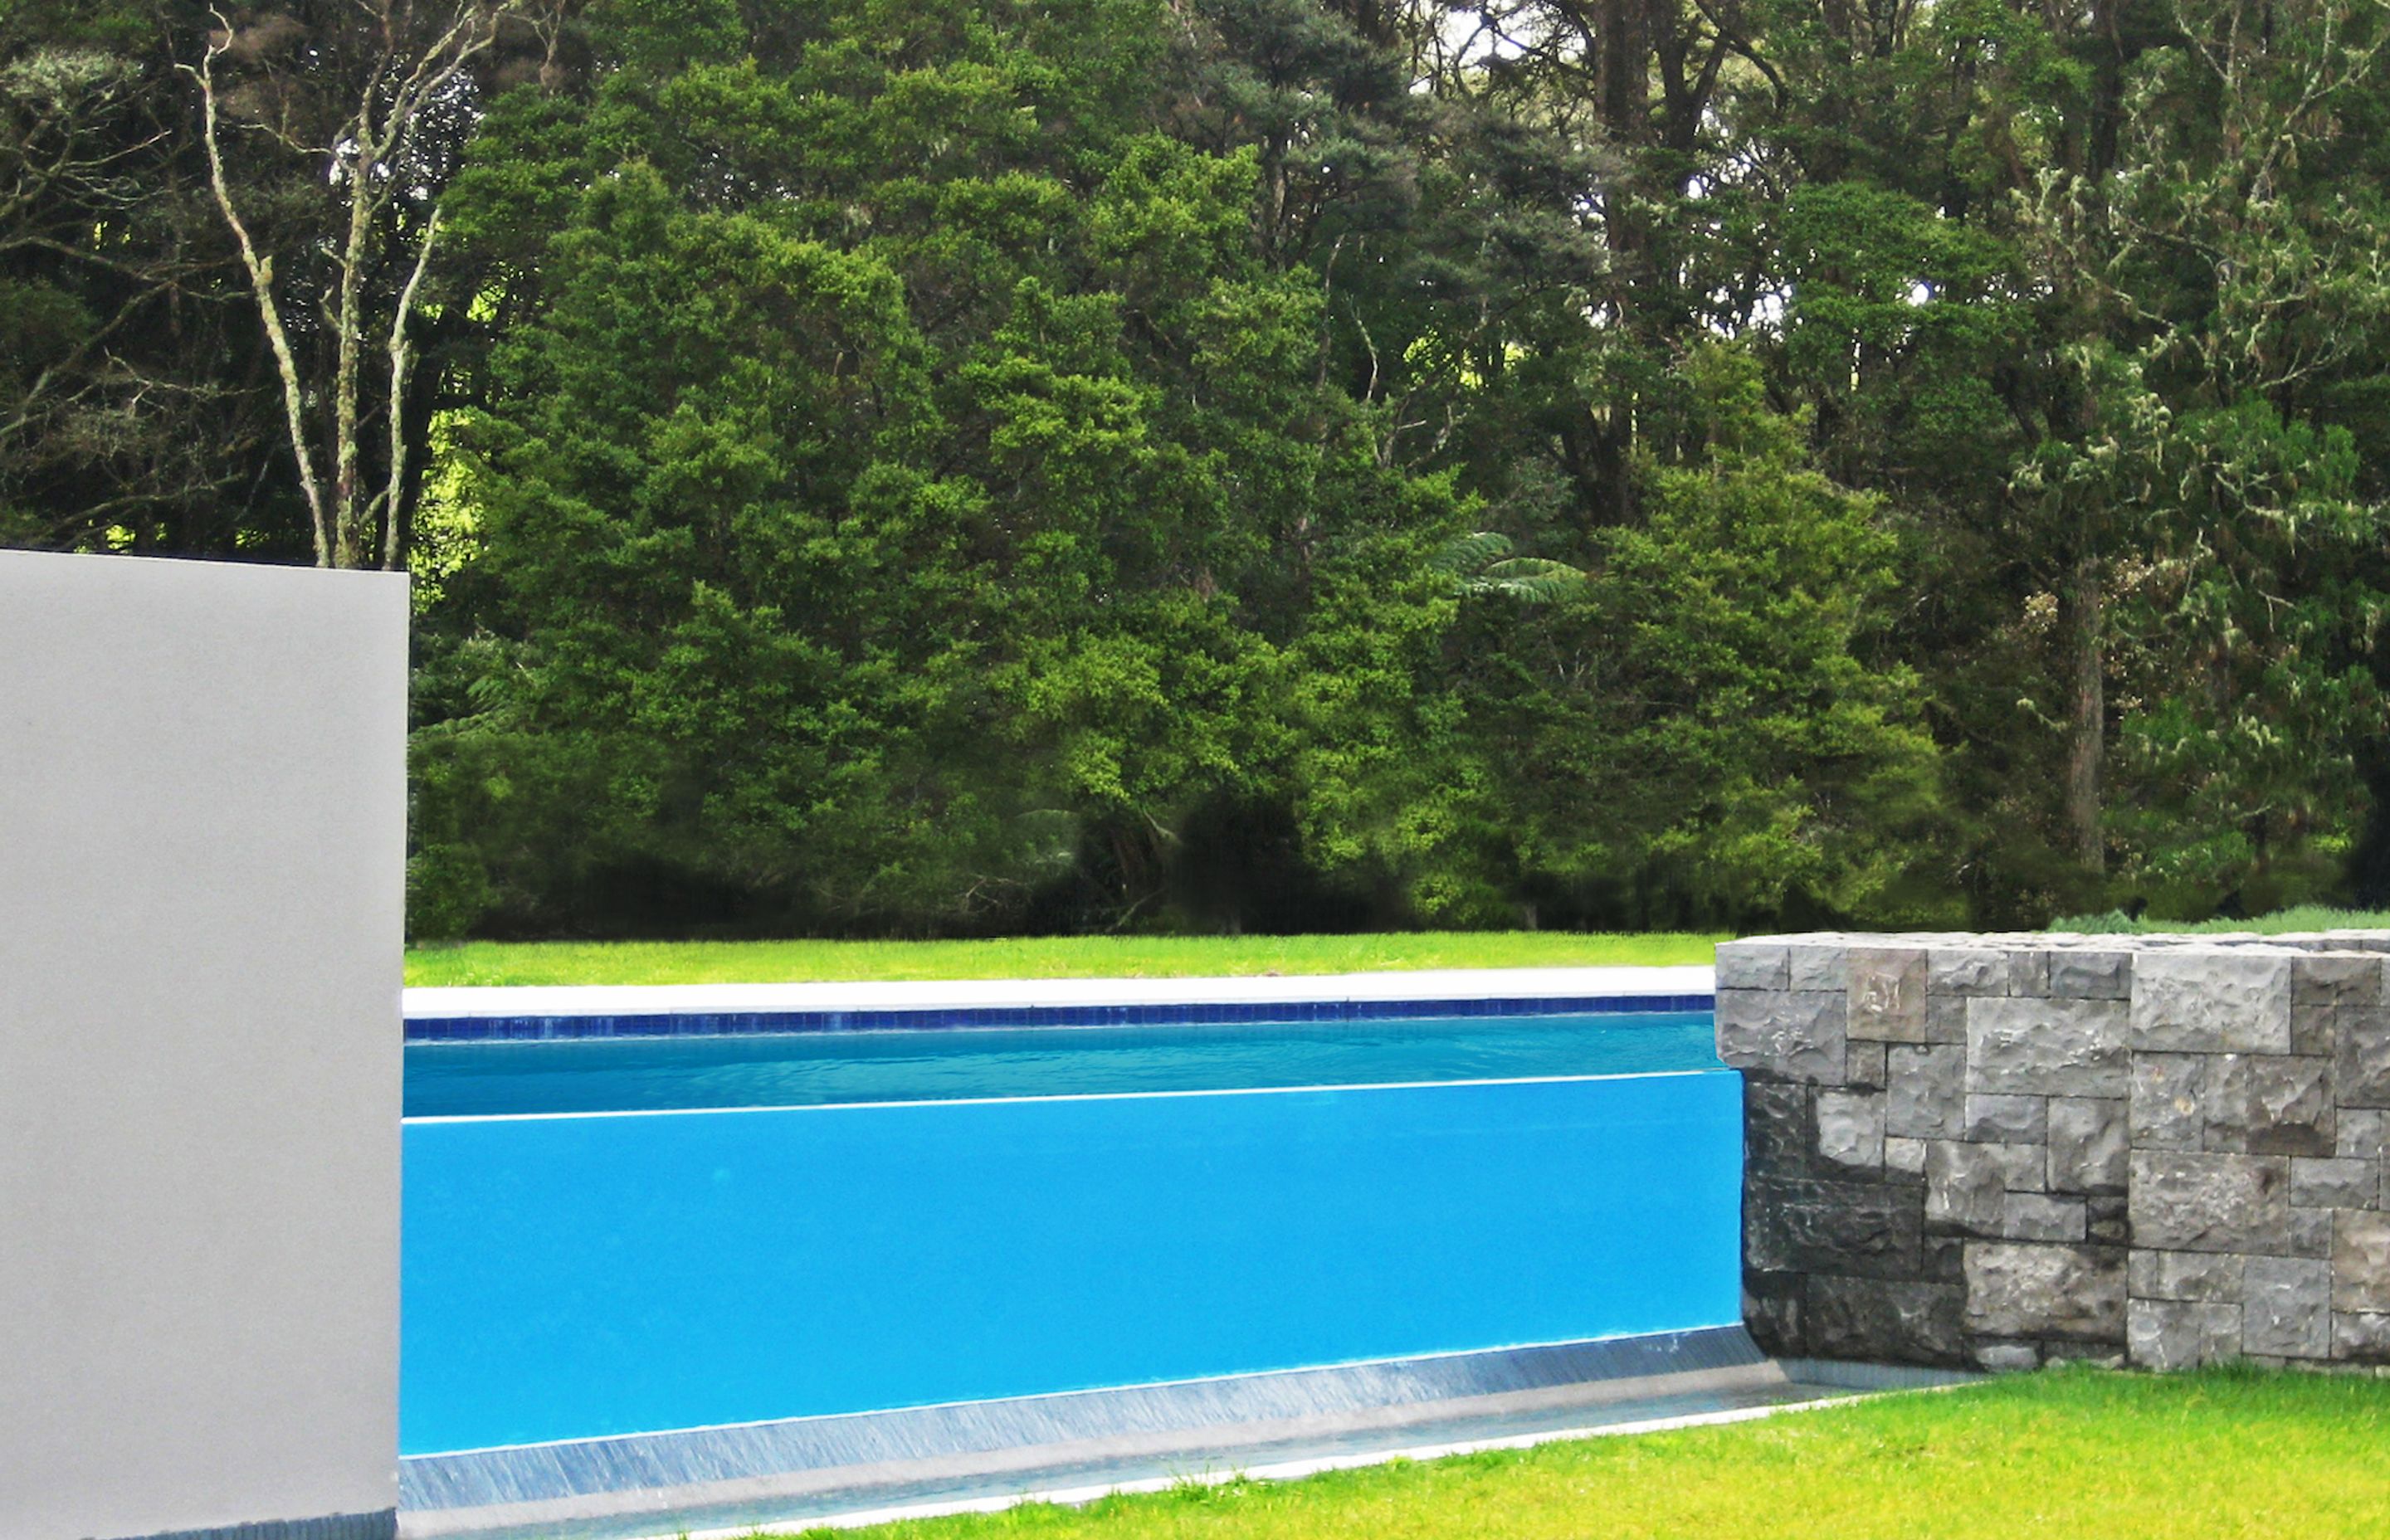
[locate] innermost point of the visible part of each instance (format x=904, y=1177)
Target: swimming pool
x=630, y=1235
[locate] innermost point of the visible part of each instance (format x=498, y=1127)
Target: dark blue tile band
x=548, y=1028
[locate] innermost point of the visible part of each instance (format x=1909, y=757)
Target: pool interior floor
x=1084, y=1467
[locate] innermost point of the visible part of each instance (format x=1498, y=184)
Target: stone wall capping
x=2003, y=1150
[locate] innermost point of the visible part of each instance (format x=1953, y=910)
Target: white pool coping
x=1477, y=983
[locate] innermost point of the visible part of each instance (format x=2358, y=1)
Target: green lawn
x=2309, y=916
x=1041, y=957
x=2079, y=1455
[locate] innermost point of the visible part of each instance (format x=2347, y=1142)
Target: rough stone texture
x=2191, y=1276
x=2184, y=1203
x=2169, y=1093
x=1850, y=1127
x=2088, y=1144
x=2286, y=1105
x=2363, y=1061
x=2360, y=1339
x=1796, y=1034
x=2048, y=1048
x=2011, y=1150
x=1927, y=1091
x=2212, y=999
x=2360, y=1261
x=2045, y=1290
x=2286, y=1307
x=2008, y=1120
x=1887, y=994
x=2160, y=1334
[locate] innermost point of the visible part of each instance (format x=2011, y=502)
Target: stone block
x=2360, y=1261
x=2080, y=974
x=2007, y=1358
x=2362, y=1133
x=2353, y=1183
x=2310, y=1233
x=1818, y=966
x=2212, y=1000
x=2362, y=1059
x=1791, y=1035
x=1862, y=1229
x=1863, y=1065
x=2286, y=1307
x=2169, y=1101
x=2198, y=1277
x=1926, y=1091
x=2087, y=1145
x=1904, y=1155
x=2162, y=1335
x=2037, y=1217
x=2360, y=1338
x=1779, y=1129
x=2187, y=1203
x=2107, y=1220
x=1967, y=970
x=2008, y=1120
x=1885, y=1320
x=2315, y=1030
x=2336, y=978
x=1887, y=994
x=1850, y=1128
x=2286, y=1105
x=2033, y=1291
x=2048, y=1048
x=1753, y=965
x=1946, y=1019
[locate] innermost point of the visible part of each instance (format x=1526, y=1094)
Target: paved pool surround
x=2004, y=1150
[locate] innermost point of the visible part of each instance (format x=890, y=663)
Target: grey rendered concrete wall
x=201, y=861
x=2001, y=1150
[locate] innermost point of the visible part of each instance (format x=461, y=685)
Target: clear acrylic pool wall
x=891, y=1240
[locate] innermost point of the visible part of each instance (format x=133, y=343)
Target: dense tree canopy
x=959, y=465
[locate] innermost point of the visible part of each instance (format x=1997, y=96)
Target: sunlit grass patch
x=1035, y=958
x=2071, y=1453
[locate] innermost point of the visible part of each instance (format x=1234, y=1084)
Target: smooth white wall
x=202, y=810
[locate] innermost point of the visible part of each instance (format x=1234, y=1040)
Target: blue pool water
x=851, y=1222
x=815, y=1069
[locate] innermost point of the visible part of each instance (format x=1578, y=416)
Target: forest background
x=951, y=466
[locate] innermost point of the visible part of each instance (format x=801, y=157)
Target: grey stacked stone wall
x=2002, y=1150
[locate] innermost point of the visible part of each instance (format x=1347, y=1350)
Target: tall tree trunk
x=2087, y=745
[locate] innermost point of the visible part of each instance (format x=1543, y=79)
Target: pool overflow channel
x=697, y=1258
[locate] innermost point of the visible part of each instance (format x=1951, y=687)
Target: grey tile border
x=696, y=1457
x=382, y=1525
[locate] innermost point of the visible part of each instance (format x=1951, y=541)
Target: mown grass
x=2081, y=1453
x=705, y=962
x=2307, y=916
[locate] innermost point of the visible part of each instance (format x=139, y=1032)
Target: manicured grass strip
x=2308, y=916
x=2076, y=1455
x=710, y=962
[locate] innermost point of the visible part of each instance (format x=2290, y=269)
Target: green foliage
x=1259, y=463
